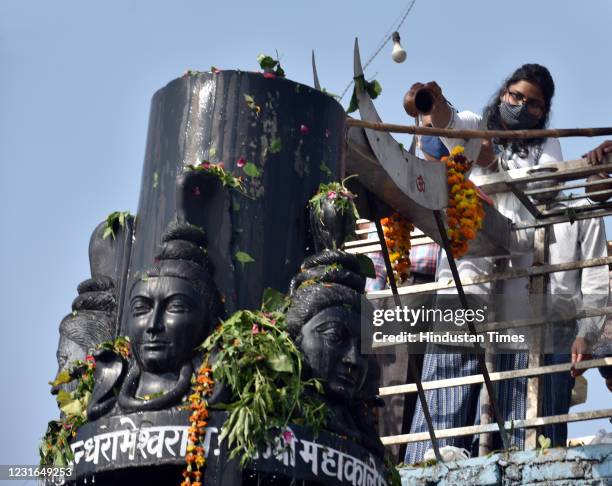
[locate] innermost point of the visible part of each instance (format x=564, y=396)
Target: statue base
x=150, y=448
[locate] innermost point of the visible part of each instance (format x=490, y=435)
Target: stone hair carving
x=91, y=322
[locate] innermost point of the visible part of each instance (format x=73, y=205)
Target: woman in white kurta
x=523, y=102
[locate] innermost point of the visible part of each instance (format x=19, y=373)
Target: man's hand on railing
x=580, y=352
x=598, y=154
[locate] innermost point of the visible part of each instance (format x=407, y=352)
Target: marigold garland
x=465, y=212
x=397, y=231
x=202, y=385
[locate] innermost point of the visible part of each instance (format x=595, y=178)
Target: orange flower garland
x=397, y=231
x=202, y=385
x=465, y=212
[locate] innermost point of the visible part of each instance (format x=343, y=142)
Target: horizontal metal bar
x=578, y=171
x=365, y=241
x=488, y=428
x=364, y=249
x=565, y=170
x=598, y=213
x=501, y=325
x=575, y=197
x=495, y=376
x=577, y=210
x=562, y=187
x=495, y=277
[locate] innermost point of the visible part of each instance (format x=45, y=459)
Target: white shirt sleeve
x=551, y=151
x=594, y=281
x=465, y=120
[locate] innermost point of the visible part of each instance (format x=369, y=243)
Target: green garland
x=255, y=357
x=338, y=194
x=54, y=449
x=217, y=170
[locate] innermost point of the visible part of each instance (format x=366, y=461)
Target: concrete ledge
x=587, y=465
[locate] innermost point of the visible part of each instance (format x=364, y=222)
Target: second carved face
x=330, y=342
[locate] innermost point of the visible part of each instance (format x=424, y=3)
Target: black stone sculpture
x=330, y=225
x=91, y=322
x=173, y=305
x=324, y=321
x=283, y=139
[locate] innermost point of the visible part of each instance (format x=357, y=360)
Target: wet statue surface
x=168, y=302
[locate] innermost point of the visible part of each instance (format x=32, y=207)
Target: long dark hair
x=533, y=73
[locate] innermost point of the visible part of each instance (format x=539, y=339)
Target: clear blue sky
x=76, y=79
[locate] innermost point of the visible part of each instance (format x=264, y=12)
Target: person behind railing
x=587, y=289
x=522, y=102
x=598, y=156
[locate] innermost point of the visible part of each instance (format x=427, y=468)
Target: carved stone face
x=330, y=342
x=67, y=352
x=167, y=322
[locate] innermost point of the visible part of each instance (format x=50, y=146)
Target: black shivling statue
x=91, y=322
x=280, y=140
x=172, y=308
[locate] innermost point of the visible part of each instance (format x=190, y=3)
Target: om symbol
x=420, y=184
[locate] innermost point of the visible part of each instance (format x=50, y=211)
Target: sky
x=76, y=80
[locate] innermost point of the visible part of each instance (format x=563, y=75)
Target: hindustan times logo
x=411, y=316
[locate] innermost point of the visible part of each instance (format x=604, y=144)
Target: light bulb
x=398, y=53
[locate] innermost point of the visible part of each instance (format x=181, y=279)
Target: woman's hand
x=487, y=153
x=440, y=111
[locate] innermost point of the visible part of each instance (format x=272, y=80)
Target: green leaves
x=61, y=378
x=217, y=170
x=270, y=65
x=373, y=88
x=266, y=62
x=54, y=449
x=276, y=145
x=251, y=170
x=544, y=443
x=325, y=170
x=244, y=257
x=337, y=194
x=274, y=301
x=114, y=221
x=256, y=358
x=252, y=105
x=281, y=363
